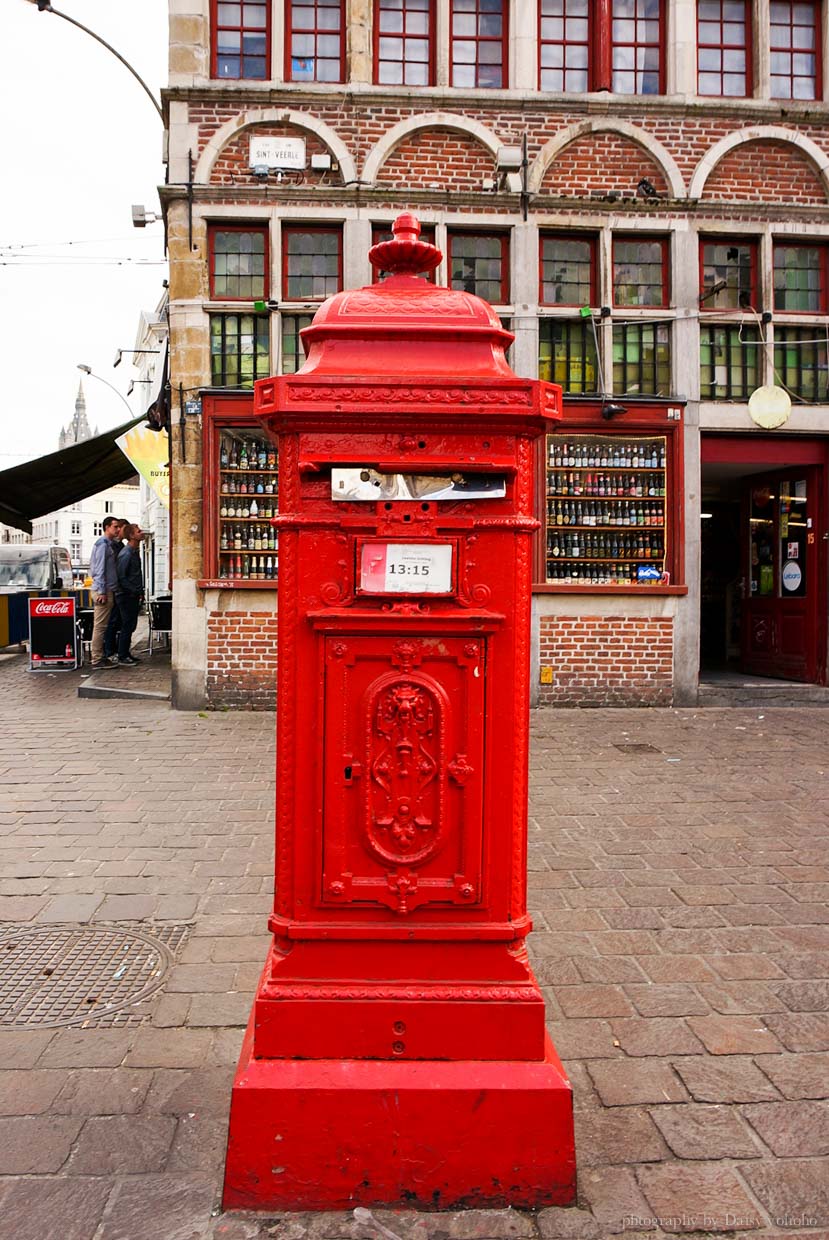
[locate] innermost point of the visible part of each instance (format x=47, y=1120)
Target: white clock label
x=406, y=568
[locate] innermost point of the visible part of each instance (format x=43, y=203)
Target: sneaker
x=128, y=661
x=103, y=665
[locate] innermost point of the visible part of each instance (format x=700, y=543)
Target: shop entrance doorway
x=763, y=589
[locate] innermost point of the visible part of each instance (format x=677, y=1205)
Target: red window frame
x=709, y=306
x=289, y=230
x=602, y=45
x=405, y=37
x=383, y=232
x=569, y=237
x=261, y=230
x=638, y=43
x=316, y=32
x=823, y=250
x=454, y=233
x=565, y=43
x=722, y=45
x=479, y=39
x=242, y=30
x=790, y=48
x=636, y=239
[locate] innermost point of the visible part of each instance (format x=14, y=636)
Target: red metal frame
x=290, y=230
x=214, y=51
x=585, y=418
x=429, y=37
x=663, y=243
x=571, y=236
x=750, y=243
x=232, y=413
x=823, y=249
x=478, y=39
x=488, y=235
x=260, y=229
x=724, y=47
x=606, y=37
x=790, y=47
x=315, y=32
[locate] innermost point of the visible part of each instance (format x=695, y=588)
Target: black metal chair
x=159, y=620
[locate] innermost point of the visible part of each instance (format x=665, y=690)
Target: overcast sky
x=81, y=142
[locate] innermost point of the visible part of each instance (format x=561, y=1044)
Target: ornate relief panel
x=402, y=815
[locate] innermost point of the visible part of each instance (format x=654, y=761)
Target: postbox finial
x=406, y=255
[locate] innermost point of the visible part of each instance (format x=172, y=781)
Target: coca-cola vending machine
x=53, y=635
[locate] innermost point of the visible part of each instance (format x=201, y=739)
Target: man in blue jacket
x=104, y=575
x=129, y=591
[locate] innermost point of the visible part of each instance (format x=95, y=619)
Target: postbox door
x=403, y=762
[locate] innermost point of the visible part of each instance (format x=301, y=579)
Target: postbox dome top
x=405, y=325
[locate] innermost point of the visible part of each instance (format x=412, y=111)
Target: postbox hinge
x=351, y=770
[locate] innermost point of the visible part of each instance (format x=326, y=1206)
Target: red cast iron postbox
x=396, y=1051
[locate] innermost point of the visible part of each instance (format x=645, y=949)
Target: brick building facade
x=662, y=252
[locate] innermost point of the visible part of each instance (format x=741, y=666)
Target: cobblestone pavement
x=679, y=883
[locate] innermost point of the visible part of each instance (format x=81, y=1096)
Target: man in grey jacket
x=104, y=575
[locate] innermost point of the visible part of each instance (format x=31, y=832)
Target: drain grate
x=104, y=976
x=637, y=749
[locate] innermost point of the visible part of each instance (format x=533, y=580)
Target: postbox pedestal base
x=332, y=1134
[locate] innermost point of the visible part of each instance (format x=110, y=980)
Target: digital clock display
x=406, y=568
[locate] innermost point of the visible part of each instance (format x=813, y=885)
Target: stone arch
x=640, y=137
x=760, y=133
x=273, y=116
x=427, y=120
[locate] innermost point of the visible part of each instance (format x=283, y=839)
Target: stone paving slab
x=681, y=933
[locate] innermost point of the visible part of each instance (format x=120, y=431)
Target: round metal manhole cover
x=73, y=975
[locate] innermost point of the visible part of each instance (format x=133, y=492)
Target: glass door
x=780, y=618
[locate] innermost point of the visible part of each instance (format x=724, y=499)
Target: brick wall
x=601, y=161
x=765, y=172
x=439, y=155
x=606, y=661
x=241, y=659
x=233, y=165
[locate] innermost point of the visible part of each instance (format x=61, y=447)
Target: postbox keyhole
x=347, y=773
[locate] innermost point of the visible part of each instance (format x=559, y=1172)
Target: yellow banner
x=148, y=451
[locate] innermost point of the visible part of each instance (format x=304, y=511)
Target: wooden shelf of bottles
x=248, y=499
x=606, y=509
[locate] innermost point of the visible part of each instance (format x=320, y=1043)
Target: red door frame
x=781, y=455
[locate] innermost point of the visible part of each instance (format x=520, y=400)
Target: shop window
x=479, y=264
x=640, y=272
x=238, y=263
x=641, y=359
x=383, y=232
x=723, y=47
x=800, y=278
x=794, y=39
x=586, y=46
x=315, y=41
x=403, y=42
x=479, y=43
x=568, y=270
x=730, y=361
x=728, y=275
x=567, y=355
x=241, y=39
x=311, y=263
x=293, y=354
x=243, y=498
x=608, y=510
x=800, y=362
x=239, y=349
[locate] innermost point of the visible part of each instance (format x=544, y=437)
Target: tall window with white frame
x=641, y=348
x=238, y=272
x=567, y=283
x=801, y=350
x=730, y=325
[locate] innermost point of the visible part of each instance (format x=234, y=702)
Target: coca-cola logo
x=52, y=606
